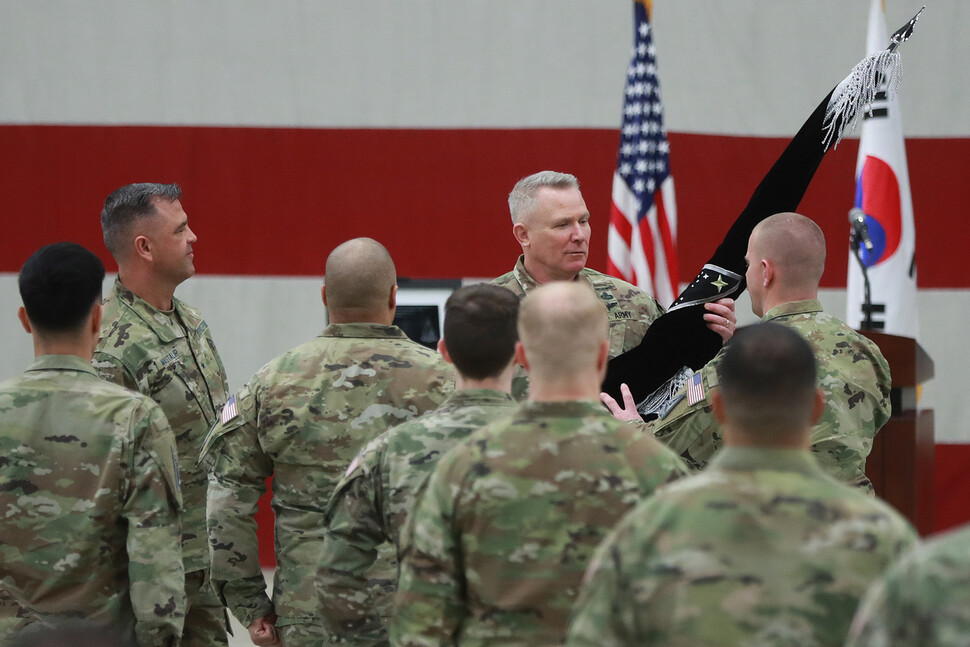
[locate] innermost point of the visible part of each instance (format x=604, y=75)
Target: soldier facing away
x=153, y=343
x=922, y=601
x=302, y=418
x=497, y=543
x=786, y=258
x=88, y=474
x=372, y=501
x=760, y=548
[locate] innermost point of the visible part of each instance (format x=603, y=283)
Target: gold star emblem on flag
x=720, y=284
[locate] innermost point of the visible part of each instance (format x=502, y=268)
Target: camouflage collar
x=168, y=325
x=364, y=330
x=800, y=461
x=808, y=306
x=565, y=409
x=527, y=281
x=61, y=363
x=471, y=397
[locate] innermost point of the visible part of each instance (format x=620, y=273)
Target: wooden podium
x=900, y=465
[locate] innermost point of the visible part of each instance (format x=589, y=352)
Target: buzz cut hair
x=59, y=284
x=768, y=377
x=522, y=199
x=128, y=204
x=480, y=329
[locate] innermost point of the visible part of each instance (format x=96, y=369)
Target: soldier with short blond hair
x=497, y=543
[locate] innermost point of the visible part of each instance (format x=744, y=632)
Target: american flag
x=228, y=411
x=695, y=389
x=643, y=217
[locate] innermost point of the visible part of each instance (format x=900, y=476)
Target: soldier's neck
x=156, y=292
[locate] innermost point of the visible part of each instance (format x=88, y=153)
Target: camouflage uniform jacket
x=761, y=548
x=373, y=499
x=89, y=504
x=301, y=419
x=853, y=374
x=170, y=357
x=630, y=310
x=923, y=600
x=497, y=544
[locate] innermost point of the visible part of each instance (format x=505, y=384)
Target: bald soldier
x=158, y=345
x=550, y=222
x=786, y=258
x=88, y=475
x=373, y=499
x=302, y=418
x=498, y=541
x=762, y=547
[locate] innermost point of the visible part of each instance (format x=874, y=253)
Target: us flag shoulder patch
x=695, y=389
x=229, y=411
x=353, y=465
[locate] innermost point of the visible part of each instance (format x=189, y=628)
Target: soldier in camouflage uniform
x=551, y=223
x=301, y=419
x=762, y=547
x=497, y=543
x=89, y=497
x=372, y=501
x=786, y=257
x=155, y=344
x=923, y=600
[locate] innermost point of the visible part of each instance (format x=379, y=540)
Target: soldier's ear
x=443, y=351
x=143, y=248
x=603, y=356
x=520, y=357
x=717, y=406
x=24, y=321
x=767, y=271
x=323, y=294
x=521, y=233
x=392, y=299
x=818, y=407
x=95, y=322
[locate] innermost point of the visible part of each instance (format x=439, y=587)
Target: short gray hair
x=522, y=199
x=125, y=206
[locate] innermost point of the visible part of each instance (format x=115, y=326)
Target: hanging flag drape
x=883, y=195
x=643, y=216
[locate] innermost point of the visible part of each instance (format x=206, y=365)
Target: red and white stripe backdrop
x=295, y=126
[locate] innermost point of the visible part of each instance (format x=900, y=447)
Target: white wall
x=739, y=67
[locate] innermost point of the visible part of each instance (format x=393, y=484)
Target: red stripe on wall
x=274, y=201
x=952, y=485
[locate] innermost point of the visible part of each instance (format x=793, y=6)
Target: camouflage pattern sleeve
x=922, y=600
x=111, y=368
x=428, y=609
x=151, y=507
x=355, y=530
x=602, y=616
x=237, y=480
x=856, y=382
